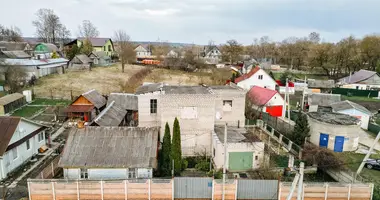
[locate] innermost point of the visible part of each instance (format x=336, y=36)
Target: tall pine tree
x=165, y=161
x=301, y=129
x=176, y=148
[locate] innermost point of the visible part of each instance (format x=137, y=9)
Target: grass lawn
x=27, y=111
x=356, y=98
x=51, y=102
x=353, y=161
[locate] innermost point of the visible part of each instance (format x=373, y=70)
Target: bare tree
x=49, y=27
x=232, y=51
x=15, y=78
x=124, y=48
x=88, y=30
x=10, y=34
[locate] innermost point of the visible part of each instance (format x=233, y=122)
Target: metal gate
x=257, y=189
x=339, y=142
x=192, y=188
x=324, y=140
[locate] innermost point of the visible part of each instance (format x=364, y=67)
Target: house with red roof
x=256, y=77
x=282, y=87
x=266, y=100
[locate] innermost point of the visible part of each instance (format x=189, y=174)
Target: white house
x=353, y=109
x=212, y=54
x=97, y=152
x=243, y=153
x=361, y=80
x=256, y=77
x=20, y=139
x=173, y=54
x=143, y=51
x=267, y=100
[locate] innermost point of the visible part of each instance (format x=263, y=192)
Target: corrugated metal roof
x=361, y=75
x=10, y=98
x=95, y=98
x=112, y=115
x=260, y=96
x=8, y=126
x=29, y=62
x=111, y=147
x=247, y=76
x=101, y=54
x=124, y=100
x=344, y=105
x=16, y=54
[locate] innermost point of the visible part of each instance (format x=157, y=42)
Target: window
x=213, y=152
x=256, y=157
x=27, y=145
x=83, y=173
x=189, y=112
x=132, y=173
x=40, y=137
x=14, y=153
x=153, y=106
x=109, y=48
x=104, y=48
x=227, y=105
x=260, y=77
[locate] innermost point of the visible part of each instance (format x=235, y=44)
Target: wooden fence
x=50, y=171
x=329, y=191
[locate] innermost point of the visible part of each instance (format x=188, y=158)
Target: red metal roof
x=291, y=84
x=79, y=108
x=260, y=96
x=246, y=76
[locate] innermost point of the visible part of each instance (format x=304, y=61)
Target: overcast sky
x=198, y=21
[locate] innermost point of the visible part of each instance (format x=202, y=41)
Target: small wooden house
x=100, y=58
x=80, y=62
x=86, y=106
x=11, y=102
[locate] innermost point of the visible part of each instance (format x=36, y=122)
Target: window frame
x=40, y=137
x=261, y=77
x=83, y=173
x=224, y=104
x=153, y=106
x=132, y=173
x=14, y=156
x=27, y=144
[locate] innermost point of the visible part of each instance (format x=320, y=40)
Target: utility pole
x=367, y=156
x=225, y=161
x=287, y=94
x=300, y=182
x=303, y=96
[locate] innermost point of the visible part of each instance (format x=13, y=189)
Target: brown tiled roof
x=8, y=126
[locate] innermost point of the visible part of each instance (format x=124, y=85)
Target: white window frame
x=14, y=153
x=83, y=173
x=40, y=136
x=225, y=102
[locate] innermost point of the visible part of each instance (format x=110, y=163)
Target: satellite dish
x=218, y=115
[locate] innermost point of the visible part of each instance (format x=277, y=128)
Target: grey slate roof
x=313, y=83
x=358, y=76
x=13, y=46
x=173, y=89
x=95, y=98
x=16, y=54
x=97, y=42
x=111, y=147
x=345, y=105
x=101, y=54
x=124, y=100
x=322, y=99
x=334, y=118
x=83, y=58
x=112, y=115
x=10, y=98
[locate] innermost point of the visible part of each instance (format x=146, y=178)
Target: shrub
x=203, y=166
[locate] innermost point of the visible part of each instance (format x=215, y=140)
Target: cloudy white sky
x=198, y=21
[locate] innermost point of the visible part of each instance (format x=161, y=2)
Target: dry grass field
x=109, y=79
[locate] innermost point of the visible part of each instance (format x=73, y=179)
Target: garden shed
x=335, y=131
x=11, y=102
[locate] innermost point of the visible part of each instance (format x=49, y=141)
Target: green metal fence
x=373, y=128
x=355, y=92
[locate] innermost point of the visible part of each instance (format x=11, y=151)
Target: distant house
x=143, y=51
x=322, y=85
x=110, y=153
x=46, y=51
x=243, y=153
x=37, y=68
x=281, y=88
x=98, y=44
x=100, y=58
x=14, y=54
x=20, y=139
x=361, y=80
x=173, y=54
x=322, y=102
x=80, y=62
x=211, y=54
x=86, y=106
x=266, y=100
x=15, y=46
x=11, y=102
x=353, y=109
x=256, y=77
x=129, y=104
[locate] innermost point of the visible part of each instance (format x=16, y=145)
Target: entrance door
x=240, y=161
x=324, y=140
x=339, y=142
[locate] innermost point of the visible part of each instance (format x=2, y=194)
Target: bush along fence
x=191, y=188
x=373, y=128
x=355, y=92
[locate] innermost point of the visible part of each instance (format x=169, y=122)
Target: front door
x=339, y=142
x=323, y=140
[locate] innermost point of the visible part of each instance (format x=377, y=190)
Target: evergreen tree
x=176, y=148
x=301, y=129
x=165, y=158
x=284, y=76
x=86, y=47
x=233, y=77
x=71, y=53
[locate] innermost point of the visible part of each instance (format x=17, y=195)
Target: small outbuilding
x=112, y=115
x=100, y=58
x=128, y=103
x=322, y=101
x=355, y=110
x=335, y=131
x=267, y=100
x=110, y=153
x=11, y=102
x=80, y=62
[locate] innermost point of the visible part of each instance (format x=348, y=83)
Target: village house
x=100, y=58
x=211, y=54
x=15, y=46
x=80, y=62
x=20, y=139
x=256, y=77
x=36, y=68
x=353, y=109
x=110, y=153
x=86, y=106
x=11, y=102
x=266, y=100
x=323, y=86
x=243, y=153
x=15, y=54
x=361, y=80
x=143, y=51
x=196, y=108
x=99, y=44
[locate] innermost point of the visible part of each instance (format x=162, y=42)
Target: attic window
x=260, y=77
x=227, y=105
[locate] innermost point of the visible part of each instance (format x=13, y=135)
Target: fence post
x=372, y=187
x=236, y=188
x=279, y=189
x=213, y=189
x=303, y=191
x=53, y=189
x=290, y=145
x=42, y=175
x=101, y=189
x=149, y=180
x=349, y=191
x=29, y=190
x=78, y=197
x=326, y=190
x=125, y=190
x=172, y=188
x=52, y=169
